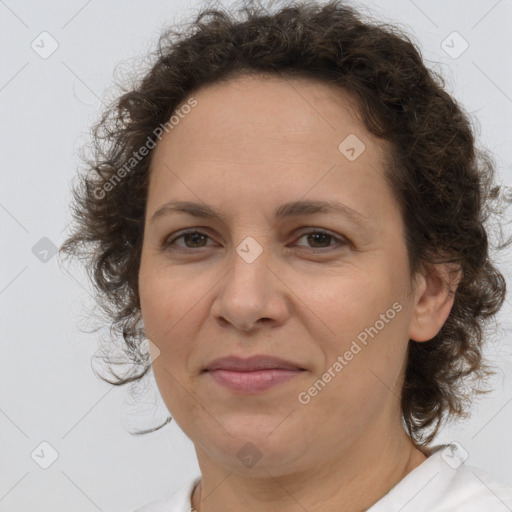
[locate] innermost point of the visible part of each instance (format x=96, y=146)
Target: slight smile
x=252, y=375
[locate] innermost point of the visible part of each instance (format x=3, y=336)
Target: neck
x=352, y=482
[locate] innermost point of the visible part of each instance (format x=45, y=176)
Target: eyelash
x=340, y=241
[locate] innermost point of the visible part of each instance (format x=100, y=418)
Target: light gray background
x=48, y=390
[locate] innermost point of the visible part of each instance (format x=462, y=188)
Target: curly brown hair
x=442, y=182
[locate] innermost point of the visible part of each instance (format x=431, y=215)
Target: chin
x=255, y=452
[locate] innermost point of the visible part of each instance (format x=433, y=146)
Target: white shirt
x=441, y=483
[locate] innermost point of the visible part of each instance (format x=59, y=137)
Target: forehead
x=258, y=137
x=259, y=105
x=248, y=117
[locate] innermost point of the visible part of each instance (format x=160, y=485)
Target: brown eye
x=320, y=239
x=192, y=239
x=316, y=238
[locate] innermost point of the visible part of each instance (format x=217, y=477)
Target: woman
x=291, y=209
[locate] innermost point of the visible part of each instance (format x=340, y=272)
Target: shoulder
x=444, y=482
x=180, y=501
x=473, y=489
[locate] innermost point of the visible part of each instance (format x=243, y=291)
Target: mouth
x=252, y=375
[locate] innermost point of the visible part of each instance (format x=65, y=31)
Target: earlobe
x=434, y=300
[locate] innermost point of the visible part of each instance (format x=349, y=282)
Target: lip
x=250, y=364
x=251, y=375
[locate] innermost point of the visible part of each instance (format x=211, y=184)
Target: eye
x=319, y=236
x=194, y=239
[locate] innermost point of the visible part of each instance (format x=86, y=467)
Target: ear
x=435, y=293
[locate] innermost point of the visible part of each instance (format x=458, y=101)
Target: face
x=327, y=290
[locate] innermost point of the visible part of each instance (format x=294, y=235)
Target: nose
x=250, y=294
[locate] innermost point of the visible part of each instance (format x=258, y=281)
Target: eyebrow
x=291, y=209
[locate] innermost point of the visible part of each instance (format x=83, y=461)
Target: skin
x=251, y=144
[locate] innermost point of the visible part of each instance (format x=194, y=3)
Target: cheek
x=161, y=298
x=154, y=304
x=161, y=312
x=367, y=322
x=348, y=304
x=164, y=311
x=173, y=310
